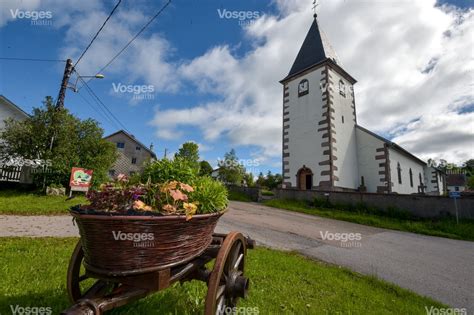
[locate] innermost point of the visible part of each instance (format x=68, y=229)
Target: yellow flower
x=169, y=208
x=140, y=205
x=190, y=210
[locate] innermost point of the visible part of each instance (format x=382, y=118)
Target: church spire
x=315, y=49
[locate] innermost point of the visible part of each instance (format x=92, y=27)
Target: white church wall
x=345, y=135
x=433, y=181
x=368, y=166
x=405, y=164
x=304, y=141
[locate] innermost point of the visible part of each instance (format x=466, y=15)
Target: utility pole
x=62, y=92
x=166, y=151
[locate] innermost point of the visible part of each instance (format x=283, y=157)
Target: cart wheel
x=77, y=285
x=227, y=282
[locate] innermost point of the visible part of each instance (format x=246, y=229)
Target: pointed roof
x=316, y=49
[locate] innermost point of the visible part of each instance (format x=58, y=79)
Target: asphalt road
x=436, y=267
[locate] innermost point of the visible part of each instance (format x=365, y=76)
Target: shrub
x=165, y=170
x=210, y=195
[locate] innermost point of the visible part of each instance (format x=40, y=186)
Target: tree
x=205, y=169
x=189, y=151
x=230, y=169
x=470, y=183
x=249, y=180
x=75, y=142
x=260, y=180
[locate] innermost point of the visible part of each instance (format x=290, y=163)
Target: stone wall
x=418, y=205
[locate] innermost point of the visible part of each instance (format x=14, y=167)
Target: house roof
x=315, y=51
x=6, y=101
x=456, y=179
x=133, y=139
x=393, y=145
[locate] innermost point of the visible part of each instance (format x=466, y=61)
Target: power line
x=133, y=38
x=102, y=104
x=100, y=111
x=97, y=34
x=33, y=59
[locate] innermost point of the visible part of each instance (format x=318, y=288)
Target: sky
x=208, y=71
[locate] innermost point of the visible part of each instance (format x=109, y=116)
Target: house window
x=134, y=160
x=399, y=172
x=303, y=87
x=456, y=188
x=138, y=148
x=111, y=173
x=411, y=178
x=421, y=180
x=342, y=88
x=342, y=119
x=120, y=145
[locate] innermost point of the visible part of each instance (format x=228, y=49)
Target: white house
x=9, y=110
x=324, y=147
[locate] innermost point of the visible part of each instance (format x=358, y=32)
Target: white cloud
x=385, y=45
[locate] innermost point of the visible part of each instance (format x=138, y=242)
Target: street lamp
x=97, y=76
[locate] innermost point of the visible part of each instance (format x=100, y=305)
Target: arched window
x=342, y=88
x=411, y=178
x=399, y=172
x=303, y=87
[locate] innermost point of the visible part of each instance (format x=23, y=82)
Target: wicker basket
x=124, y=245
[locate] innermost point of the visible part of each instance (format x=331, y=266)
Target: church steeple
x=315, y=49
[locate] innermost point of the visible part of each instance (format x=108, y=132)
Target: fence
x=10, y=173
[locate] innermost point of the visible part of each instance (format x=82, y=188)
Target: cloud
x=412, y=59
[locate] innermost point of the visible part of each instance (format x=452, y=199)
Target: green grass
x=394, y=220
x=238, y=196
x=33, y=273
x=265, y=192
x=23, y=203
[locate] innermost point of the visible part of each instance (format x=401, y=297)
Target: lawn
x=441, y=227
x=33, y=273
x=24, y=203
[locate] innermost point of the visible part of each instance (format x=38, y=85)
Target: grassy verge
x=238, y=196
x=391, y=220
x=22, y=203
x=33, y=273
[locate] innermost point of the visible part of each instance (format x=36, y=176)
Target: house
x=324, y=148
x=9, y=110
x=132, y=154
x=456, y=181
x=11, y=173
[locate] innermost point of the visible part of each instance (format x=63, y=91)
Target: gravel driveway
x=436, y=267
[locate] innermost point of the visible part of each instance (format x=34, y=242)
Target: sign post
x=80, y=179
x=455, y=195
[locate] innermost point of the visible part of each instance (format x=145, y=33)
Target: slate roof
x=315, y=50
x=456, y=179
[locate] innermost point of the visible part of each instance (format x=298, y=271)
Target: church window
x=303, y=87
x=399, y=172
x=342, y=88
x=411, y=178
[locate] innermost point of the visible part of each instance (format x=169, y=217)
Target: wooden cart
x=226, y=281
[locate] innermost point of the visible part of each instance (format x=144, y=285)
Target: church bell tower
x=319, y=144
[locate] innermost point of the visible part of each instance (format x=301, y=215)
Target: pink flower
x=178, y=195
x=169, y=208
x=122, y=178
x=186, y=187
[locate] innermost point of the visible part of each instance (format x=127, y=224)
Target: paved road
x=437, y=267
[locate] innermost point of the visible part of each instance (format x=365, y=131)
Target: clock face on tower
x=303, y=87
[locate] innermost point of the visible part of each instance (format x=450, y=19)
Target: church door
x=305, y=178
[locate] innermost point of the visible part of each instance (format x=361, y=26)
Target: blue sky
x=197, y=63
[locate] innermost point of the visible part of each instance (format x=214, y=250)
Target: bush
x=265, y=192
x=164, y=170
x=211, y=195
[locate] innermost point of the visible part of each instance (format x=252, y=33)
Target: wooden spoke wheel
x=227, y=282
x=79, y=285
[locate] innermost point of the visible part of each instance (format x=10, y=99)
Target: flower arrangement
x=169, y=198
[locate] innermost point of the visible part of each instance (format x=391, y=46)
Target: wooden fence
x=10, y=173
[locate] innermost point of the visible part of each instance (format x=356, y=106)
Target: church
x=323, y=146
